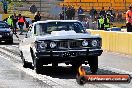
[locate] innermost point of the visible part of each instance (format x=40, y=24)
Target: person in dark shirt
x=109, y=11
x=102, y=12
x=80, y=10
x=64, y=9
x=73, y=11
x=68, y=13
x=37, y=16
x=93, y=13
x=15, y=19
x=61, y=15
x=21, y=22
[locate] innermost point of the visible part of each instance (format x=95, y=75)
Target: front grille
x=69, y=44
x=75, y=44
x=63, y=44
x=4, y=33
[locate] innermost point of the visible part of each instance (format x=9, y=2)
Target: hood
x=5, y=30
x=65, y=35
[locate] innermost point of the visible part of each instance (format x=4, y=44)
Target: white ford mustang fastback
x=60, y=41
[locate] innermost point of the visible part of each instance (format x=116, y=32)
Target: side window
x=38, y=29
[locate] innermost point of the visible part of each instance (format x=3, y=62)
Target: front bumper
x=70, y=53
x=6, y=38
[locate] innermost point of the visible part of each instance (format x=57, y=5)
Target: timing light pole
x=40, y=5
x=125, y=5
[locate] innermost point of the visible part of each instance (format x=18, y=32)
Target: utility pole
x=125, y=5
x=40, y=5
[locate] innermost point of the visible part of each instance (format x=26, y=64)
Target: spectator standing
x=5, y=6
x=101, y=23
x=33, y=8
x=106, y=22
x=68, y=13
x=119, y=16
x=93, y=13
x=10, y=22
x=113, y=12
x=21, y=21
x=109, y=11
x=113, y=15
x=73, y=11
x=64, y=9
x=80, y=10
x=102, y=12
x=37, y=16
x=129, y=19
x=15, y=19
x=61, y=15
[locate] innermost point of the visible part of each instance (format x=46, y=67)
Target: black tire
x=55, y=64
x=10, y=41
x=93, y=63
x=76, y=65
x=38, y=66
x=81, y=80
x=25, y=64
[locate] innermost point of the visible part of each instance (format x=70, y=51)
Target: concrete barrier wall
x=115, y=41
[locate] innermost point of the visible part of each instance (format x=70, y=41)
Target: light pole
x=125, y=6
x=40, y=5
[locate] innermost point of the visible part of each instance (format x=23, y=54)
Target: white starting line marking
x=115, y=70
x=111, y=86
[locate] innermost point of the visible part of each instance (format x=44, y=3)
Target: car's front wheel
x=10, y=41
x=55, y=64
x=25, y=64
x=76, y=65
x=93, y=63
x=38, y=66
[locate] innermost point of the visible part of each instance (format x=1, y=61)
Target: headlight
x=94, y=43
x=43, y=45
x=8, y=34
x=52, y=45
x=85, y=43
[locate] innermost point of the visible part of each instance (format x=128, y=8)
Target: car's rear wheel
x=93, y=63
x=10, y=41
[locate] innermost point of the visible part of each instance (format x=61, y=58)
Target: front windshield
x=3, y=25
x=47, y=28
